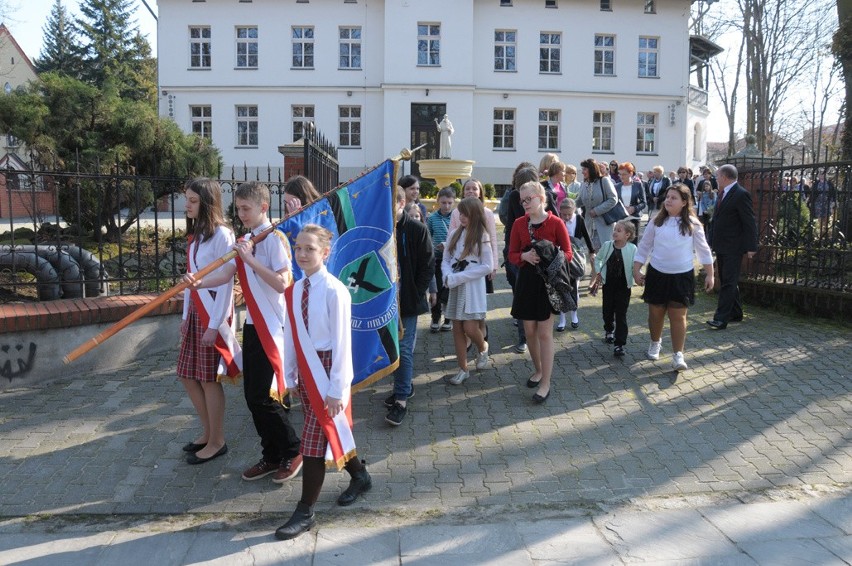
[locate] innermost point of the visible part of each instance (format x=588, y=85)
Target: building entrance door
x=424, y=130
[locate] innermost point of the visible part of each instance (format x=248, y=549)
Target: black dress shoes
x=539, y=400
x=193, y=458
x=300, y=522
x=532, y=384
x=193, y=447
x=361, y=482
x=717, y=324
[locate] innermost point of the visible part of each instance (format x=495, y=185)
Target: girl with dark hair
x=208, y=348
x=411, y=185
x=468, y=260
x=299, y=191
x=668, y=244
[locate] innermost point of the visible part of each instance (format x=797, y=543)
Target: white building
x=608, y=79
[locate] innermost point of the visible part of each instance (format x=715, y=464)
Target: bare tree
x=772, y=62
x=842, y=48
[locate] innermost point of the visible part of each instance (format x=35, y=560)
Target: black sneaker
x=391, y=399
x=609, y=338
x=618, y=351
x=396, y=414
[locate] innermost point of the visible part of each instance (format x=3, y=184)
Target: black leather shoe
x=575, y=325
x=532, y=384
x=560, y=328
x=717, y=324
x=360, y=483
x=193, y=458
x=539, y=400
x=193, y=447
x=300, y=522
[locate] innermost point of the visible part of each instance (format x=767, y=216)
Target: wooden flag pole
x=108, y=333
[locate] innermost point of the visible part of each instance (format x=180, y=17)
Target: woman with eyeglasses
x=530, y=302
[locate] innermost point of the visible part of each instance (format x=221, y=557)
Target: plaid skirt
x=196, y=362
x=314, y=442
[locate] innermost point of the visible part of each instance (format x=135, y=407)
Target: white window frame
x=201, y=120
x=199, y=38
x=603, y=122
x=248, y=129
x=546, y=50
x=646, y=124
x=548, y=129
x=649, y=57
x=504, y=129
x=349, y=48
x=303, y=42
x=601, y=65
x=301, y=114
x=247, y=48
x=505, y=50
x=428, y=44
x=349, y=126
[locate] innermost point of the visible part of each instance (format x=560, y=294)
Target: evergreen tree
x=116, y=56
x=60, y=52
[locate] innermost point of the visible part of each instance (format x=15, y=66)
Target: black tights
x=313, y=476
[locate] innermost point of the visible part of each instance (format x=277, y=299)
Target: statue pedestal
x=445, y=171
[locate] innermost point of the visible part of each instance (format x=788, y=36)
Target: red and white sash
x=315, y=380
x=230, y=352
x=267, y=317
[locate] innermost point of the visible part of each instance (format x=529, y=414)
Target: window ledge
x=549, y=150
x=350, y=69
x=603, y=152
x=245, y=68
x=245, y=147
x=555, y=73
x=648, y=77
x=199, y=68
x=428, y=66
x=301, y=68
x=606, y=76
x=505, y=71
x=503, y=149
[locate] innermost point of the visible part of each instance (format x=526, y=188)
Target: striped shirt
x=439, y=226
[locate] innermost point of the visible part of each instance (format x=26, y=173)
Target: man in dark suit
x=733, y=232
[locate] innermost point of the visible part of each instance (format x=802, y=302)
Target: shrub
x=490, y=191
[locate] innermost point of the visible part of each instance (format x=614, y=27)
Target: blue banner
x=361, y=217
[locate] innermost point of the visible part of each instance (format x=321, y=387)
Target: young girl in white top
x=208, y=348
x=668, y=245
x=318, y=360
x=468, y=260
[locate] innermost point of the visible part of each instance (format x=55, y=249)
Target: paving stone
x=769, y=521
x=347, y=547
x=791, y=553
x=574, y=541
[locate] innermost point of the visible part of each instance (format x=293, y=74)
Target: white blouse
x=670, y=251
x=273, y=253
x=472, y=279
x=203, y=254
x=490, y=227
x=330, y=328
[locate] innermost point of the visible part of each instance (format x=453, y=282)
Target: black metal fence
x=804, y=215
x=69, y=235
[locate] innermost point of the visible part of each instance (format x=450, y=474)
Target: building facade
x=608, y=79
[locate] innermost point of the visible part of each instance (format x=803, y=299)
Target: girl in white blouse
x=208, y=348
x=668, y=245
x=468, y=260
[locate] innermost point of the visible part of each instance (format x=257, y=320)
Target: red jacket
x=552, y=229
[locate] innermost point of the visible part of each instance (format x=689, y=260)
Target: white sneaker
x=459, y=378
x=654, y=350
x=677, y=362
x=482, y=358
x=435, y=326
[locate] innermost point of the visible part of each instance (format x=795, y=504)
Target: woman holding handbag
x=531, y=303
x=597, y=197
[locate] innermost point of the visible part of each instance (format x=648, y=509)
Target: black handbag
x=616, y=213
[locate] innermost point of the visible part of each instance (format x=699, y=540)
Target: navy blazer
x=734, y=229
x=637, y=196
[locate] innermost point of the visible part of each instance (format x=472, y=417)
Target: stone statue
x=446, y=129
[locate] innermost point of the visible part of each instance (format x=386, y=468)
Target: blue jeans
x=403, y=374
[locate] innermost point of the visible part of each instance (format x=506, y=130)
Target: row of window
x=428, y=49
x=650, y=6
x=503, y=138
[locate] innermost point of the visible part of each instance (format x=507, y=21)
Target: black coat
x=734, y=229
x=416, y=262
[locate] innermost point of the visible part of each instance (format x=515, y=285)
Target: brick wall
x=25, y=203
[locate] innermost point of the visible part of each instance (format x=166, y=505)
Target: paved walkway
x=745, y=458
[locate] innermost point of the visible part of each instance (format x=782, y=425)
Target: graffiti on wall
x=14, y=361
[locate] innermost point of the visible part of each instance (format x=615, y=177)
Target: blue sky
x=26, y=18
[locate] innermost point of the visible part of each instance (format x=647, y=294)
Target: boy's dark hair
x=254, y=191
x=447, y=192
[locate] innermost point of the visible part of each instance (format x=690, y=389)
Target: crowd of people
x=296, y=336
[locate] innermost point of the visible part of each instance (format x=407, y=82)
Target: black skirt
x=664, y=288
x=530, y=300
